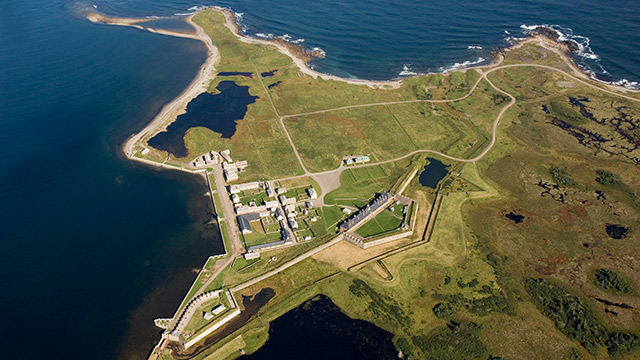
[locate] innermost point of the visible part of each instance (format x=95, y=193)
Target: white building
x=218, y=310
x=234, y=189
x=278, y=214
x=226, y=154
x=231, y=175
x=235, y=198
x=251, y=255
x=243, y=209
x=281, y=190
x=271, y=204
x=312, y=193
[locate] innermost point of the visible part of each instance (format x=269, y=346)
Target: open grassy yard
x=381, y=223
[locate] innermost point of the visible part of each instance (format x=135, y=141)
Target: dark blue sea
x=93, y=247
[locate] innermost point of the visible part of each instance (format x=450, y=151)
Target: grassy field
x=381, y=223
x=381, y=131
x=259, y=235
x=561, y=283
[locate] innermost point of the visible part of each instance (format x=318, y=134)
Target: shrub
x=560, y=176
x=612, y=281
x=607, y=178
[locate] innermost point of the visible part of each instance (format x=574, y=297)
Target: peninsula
x=496, y=202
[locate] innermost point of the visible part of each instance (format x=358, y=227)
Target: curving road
x=496, y=122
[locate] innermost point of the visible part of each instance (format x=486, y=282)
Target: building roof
x=370, y=208
x=251, y=216
x=243, y=223
x=218, y=309
x=266, y=245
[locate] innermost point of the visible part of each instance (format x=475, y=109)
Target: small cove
x=216, y=112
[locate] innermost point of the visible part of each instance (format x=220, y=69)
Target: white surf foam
x=564, y=34
x=585, y=52
x=191, y=10
x=319, y=51
x=406, y=71
x=474, y=47
x=463, y=65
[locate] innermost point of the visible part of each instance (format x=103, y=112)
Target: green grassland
x=259, y=235
x=380, y=224
x=559, y=284
x=375, y=130
x=388, y=132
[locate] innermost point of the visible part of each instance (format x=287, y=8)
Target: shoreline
x=206, y=72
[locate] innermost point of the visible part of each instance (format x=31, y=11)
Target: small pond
x=317, y=329
x=433, y=173
x=616, y=231
x=268, y=73
x=216, y=112
x=516, y=218
x=234, y=73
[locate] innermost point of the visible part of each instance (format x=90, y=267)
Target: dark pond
x=234, y=73
x=516, y=218
x=616, y=231
x=433, y=173
x=317, y=329
x=217, y=112
x=268, y=73
x=274, y=84
x=251, y=306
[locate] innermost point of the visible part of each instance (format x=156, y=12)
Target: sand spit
x=101, y=19
x=178, y=106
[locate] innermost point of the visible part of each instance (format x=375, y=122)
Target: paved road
x=288, y=264
x=228, y=212
x=338, y=171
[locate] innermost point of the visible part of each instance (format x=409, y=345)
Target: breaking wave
x=191, y=10
x=406, y=72
x=464, y=64
x=588, y=60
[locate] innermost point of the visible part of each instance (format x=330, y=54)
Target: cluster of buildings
x=281, y=209
x=355, y=159
x=231, y=169
x=210, y=158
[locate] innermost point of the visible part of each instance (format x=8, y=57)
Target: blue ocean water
x=94, y=246
x=374, y=39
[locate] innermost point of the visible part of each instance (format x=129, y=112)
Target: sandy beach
x=178, y=106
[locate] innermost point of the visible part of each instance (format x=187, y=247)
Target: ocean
x=95, y=246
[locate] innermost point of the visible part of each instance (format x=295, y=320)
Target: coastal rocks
x=553, y=35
